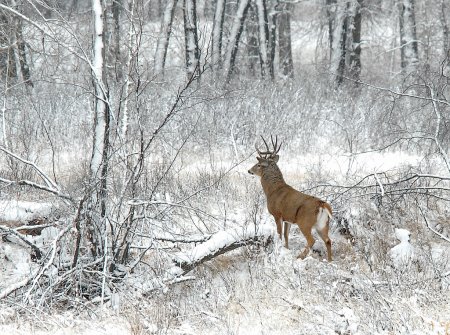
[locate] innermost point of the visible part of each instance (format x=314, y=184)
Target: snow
x=223, y=239
x=403, y=252
x=22, y=211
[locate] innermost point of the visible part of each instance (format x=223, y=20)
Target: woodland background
x=128, y=127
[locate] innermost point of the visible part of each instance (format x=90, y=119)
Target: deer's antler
x=269, y=154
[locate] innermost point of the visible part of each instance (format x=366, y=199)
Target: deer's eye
x=259, y=165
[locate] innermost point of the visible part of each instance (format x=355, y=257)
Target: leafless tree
x=164, y=35
x=408, y=36
x=217, y=34
x=344, y=24
x=191, y=38
x=285, y=44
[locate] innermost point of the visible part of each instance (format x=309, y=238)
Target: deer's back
x=291, y=204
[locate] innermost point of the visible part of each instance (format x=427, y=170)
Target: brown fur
x=289, y=205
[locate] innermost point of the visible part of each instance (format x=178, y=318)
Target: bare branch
x=40, y=187
x=50, y=262
x=36, y=249
x=46, y=179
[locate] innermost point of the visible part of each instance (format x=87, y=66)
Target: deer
x=288, y=205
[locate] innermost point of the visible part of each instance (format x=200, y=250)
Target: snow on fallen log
x=219, y=243
x=23, y=211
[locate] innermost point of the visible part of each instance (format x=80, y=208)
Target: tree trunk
x=354, y=46
x=24, y=68
x=272, y=40
x=445, y=29
x=235, y=35
x=112, y=46
x=164, y=36
x=208, y=9
x=13, y=61
x=252, y=40
x=284, y=40
x=263, y=28
x=155, y=10
x=191, y=38
x=338, y=41
x=99, y=160
x=331, y=10
x=408, y=38
x=345, y=39
x=217, y=36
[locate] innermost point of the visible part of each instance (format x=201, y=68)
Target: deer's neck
x=271, y=179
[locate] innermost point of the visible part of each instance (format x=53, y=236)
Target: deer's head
x=266, y=158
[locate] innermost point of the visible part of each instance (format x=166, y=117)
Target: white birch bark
x=131, y=37
x=164, y=36
x=191, y=38
x=101, y=120
x=263, y=36
x=217, y=34
x=236, y=31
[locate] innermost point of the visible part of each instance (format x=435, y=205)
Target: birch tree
x=191, y=38
x=263, y=29
x=99, y=160
x=164, y=36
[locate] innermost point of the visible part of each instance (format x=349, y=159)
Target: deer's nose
x=250, y=172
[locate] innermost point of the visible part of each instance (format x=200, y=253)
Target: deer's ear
x=259, y=159
x=275, y=158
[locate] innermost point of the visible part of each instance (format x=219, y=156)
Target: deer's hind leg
x=306, y=230
x=322, y=226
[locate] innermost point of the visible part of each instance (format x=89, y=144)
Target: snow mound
x=404, y=251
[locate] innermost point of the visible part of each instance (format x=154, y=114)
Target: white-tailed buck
x=289, y=205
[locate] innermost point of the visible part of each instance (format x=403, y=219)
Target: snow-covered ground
x=268, y=290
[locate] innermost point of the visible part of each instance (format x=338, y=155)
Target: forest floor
x=267, y=289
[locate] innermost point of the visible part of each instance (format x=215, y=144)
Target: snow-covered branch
x=220, y=243
x=11, y=231
x=38, y=186
x=46, y=179
x=50, y=262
